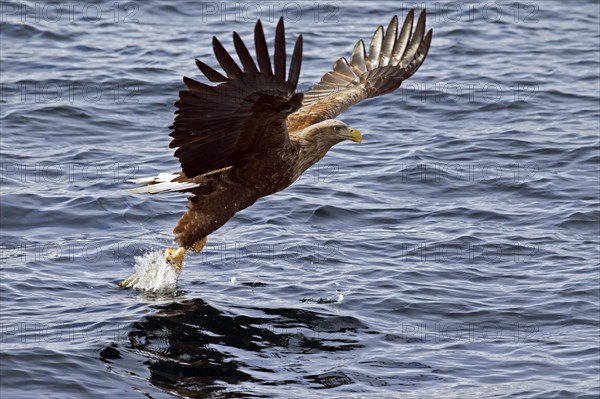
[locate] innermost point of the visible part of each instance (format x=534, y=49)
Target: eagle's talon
x=129, y=281
x=175, y=257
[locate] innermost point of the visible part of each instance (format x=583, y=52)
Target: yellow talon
x=175, y=257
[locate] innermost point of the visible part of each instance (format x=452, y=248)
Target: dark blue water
x=462, y=233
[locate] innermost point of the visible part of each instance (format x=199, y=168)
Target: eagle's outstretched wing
x=242, y=116
x=392, y=58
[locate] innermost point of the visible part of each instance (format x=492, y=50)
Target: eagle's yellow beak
x=354, y=135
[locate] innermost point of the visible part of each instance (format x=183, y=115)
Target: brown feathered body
x=223, y=193
x=251, y=134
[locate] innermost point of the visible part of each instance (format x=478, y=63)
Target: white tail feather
x=163, y=183
x=161, y=178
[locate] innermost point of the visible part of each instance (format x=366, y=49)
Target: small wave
x=337, y=298
x=582, y=220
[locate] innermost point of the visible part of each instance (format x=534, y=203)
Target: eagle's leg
x=198, y=245
x=175, y=257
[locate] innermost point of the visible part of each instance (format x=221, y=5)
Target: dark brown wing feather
x=392, y=57
x=244, y=115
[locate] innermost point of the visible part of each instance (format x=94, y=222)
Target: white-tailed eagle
x=251, y=134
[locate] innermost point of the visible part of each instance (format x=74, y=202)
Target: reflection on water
x=194, y=349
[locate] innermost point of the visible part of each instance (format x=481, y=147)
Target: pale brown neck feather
x=313, y=143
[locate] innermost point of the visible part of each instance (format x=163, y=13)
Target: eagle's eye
x=338, y=128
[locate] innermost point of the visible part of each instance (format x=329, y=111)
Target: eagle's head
x=331, y=132
x=317, y=139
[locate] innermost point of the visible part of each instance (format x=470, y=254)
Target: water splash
x=153, y=274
